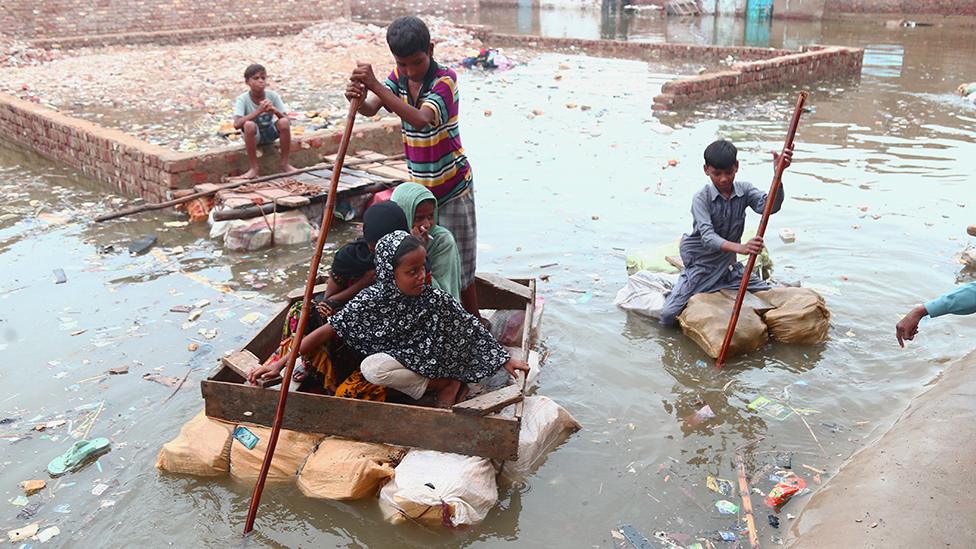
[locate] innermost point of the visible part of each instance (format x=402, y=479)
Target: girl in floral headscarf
x=416, y=338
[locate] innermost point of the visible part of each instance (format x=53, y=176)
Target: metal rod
x=767, y=211
x=303, y=318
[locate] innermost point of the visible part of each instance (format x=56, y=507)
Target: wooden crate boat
x=470, y=427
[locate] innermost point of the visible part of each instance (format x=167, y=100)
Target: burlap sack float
x=344, y=469
x=290, y=453
x=439, y=489
x=800, y=315
x=545, y=425
x=202, y=448
x=706, y=319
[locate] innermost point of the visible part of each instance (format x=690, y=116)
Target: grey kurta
x=707, y=268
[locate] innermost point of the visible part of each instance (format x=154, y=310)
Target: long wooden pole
x=740, y=466
x=303, y=318
x=223, y=186
x=767, y=211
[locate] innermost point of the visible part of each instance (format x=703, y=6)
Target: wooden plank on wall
x=401, y=424
x=496, y=292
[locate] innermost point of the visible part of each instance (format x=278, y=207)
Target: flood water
x=879, y=195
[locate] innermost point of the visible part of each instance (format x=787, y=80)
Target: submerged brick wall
x=136, y=168
x=638, y=50
x=64, y=18
x=832, y=8
x=811, y=64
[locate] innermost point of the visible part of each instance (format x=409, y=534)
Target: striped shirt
x=435, y=157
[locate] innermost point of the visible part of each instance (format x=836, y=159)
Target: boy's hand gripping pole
x=770, y=198
x=313, y=270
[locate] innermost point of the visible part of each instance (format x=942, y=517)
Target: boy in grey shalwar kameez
x=719, y=214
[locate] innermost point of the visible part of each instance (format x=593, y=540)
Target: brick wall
x=638, y=50
x=387, y=9
x=64, y=18
x=914, y=7
x=136, y=168
x=809, y=65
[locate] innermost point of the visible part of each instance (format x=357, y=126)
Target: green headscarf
x=442, y=250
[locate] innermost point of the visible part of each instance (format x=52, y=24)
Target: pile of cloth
x=488, y=59
x=968, y=91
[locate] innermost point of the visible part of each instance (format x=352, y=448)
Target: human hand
x=512, y=365
x=787, y=158
x=365, y=75
x=907, y=327
x=355, y=90
x=421, y=232
x=752, y=247
x=266, y=371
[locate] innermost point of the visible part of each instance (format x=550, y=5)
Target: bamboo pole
x=303, y=318
x=767, y=211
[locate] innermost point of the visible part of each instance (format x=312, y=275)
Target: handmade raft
x=471, y=427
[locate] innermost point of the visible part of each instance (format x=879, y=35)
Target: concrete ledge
x=912, y=488
x=133, y=167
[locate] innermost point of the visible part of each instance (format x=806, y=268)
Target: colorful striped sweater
x=435, y=157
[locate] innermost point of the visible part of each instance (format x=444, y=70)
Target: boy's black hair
x=252, y=70
x=409, y=244
x=407, y=36
x=721, y=154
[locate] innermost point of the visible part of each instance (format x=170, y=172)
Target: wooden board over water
x=471, y=429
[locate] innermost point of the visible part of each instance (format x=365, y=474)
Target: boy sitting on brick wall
x=254, y=113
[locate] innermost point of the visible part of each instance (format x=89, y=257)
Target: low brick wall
x=369, y=8
x=835, y=8
x=136, y=168
x=34, y=19
x=175, y=37
x=639, y=50
x=811, y=64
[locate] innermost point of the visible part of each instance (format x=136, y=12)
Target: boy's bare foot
x=249, y=174
x=288, y=168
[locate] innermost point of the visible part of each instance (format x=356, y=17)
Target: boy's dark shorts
x=267, y=134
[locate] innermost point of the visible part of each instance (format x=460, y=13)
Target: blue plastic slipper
x=77, y=455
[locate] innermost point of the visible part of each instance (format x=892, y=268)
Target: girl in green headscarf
x=420, y=207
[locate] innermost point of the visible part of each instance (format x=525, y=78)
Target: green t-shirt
x=245, y=106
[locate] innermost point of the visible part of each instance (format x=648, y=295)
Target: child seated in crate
x=255, y=113
x=352, y=270
x=415, y=338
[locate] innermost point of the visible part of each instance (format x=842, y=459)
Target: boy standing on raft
x=424, y=95
x=719, y=216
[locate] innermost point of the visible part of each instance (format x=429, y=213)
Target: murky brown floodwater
x=896, y=143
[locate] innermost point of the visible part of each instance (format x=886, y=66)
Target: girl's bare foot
x=288, y=168
x=447, y=395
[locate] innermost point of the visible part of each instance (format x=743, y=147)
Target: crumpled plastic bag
x=645, y=293
x=436, y=488
x=545, y=424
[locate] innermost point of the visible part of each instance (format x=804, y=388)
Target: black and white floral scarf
x=429, y=334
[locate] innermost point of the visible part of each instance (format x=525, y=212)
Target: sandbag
x=800, y=315
x=645, y=293
x=706, y=319
x=435, y=488
x=290, y=453
x=291, y=227
x=344, y=469
x=202, y=448
x=544, y=425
